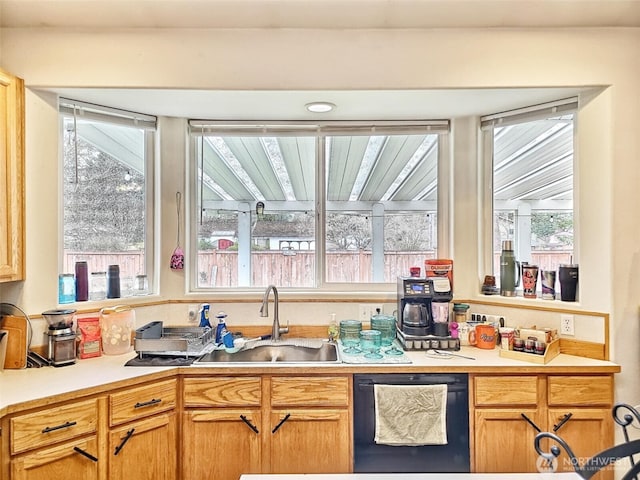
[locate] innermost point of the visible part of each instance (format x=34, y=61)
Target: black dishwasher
x=370, y=457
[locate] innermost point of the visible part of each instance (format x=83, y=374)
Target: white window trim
x=66, y=108
x=321, y=129
x=486, y=207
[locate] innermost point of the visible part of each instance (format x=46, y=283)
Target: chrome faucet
x=276, y=330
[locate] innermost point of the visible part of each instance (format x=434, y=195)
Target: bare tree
x=103, y=200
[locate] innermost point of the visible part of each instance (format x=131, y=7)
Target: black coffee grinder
x=61, y=336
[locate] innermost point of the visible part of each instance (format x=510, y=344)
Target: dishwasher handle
x=452, y=383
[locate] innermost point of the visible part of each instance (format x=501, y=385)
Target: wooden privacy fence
x=131, y=263
x=219, y=268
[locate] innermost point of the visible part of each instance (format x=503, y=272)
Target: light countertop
x=417, y=476
x=95, y=375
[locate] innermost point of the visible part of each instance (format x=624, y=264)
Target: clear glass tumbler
x=386, y=325
x=350, y=335
x=370, y=341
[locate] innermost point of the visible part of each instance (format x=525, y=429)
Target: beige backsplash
x=588, y=326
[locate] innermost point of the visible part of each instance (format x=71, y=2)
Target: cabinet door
x=62, y=462
x=221, y=444
x=587, y=431
x=310, y=441
x=504, y=440
x=144, y=450
x=11, y=178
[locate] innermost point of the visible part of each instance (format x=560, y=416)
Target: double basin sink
x=284, y=351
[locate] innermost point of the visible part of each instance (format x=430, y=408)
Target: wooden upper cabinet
x=12, y=243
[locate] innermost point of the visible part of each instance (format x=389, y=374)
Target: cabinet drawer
x=53, y=425
x=500, y=390
x=222, y=392
x=328, y=391
x=140, y=402
x=577, y=390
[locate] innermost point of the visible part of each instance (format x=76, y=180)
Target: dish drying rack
x=155, y=339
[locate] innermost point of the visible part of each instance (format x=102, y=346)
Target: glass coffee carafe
x=415, y=315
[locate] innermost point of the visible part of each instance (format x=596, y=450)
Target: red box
x=439, y=267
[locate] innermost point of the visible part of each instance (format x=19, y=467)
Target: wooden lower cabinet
x=224, y=426
x=504, y=440
x=310, y=441
x=144, y=450
x=57, y=443
x=587, y=431
x=268, y=424
x=577, y=408
x=221, y=444
x=61, y=462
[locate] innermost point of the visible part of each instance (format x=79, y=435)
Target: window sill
x=526, y=303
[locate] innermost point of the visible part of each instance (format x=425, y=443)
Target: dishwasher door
x=370, y=457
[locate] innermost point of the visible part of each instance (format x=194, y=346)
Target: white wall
x=608, y=143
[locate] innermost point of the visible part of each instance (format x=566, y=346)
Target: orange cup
x=484, y=336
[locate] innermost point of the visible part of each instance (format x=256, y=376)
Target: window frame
x=513, y=117
x=115, y=116
x=319, y=130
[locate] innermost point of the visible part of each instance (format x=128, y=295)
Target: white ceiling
x=325, y=14
x=334, y=14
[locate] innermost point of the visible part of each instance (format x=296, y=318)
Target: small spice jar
x=540, y=348
x=518, y=344
x=460, y=312
x=530, y=346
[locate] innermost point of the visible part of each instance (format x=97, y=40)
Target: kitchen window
x=312, y=205
x=530, y=160
x=107, y=157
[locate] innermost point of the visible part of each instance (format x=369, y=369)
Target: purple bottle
x=82, y=282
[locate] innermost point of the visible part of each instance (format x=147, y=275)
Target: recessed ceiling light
x=320, y=107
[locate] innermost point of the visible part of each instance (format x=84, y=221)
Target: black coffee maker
x=415, y=296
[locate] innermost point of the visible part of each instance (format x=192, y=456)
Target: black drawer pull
x=86, y=454
x=59, y=427
x=286, y=417
x=531, y=422
x=153, y=401
x=124, y=440
x=251, y=425
x=564, y=420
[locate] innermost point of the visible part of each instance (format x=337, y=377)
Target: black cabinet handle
x=251, y=425
x=531, y=422
x=286, y=417
x=85, y=453
x=153, y=401
x=124, y=440
x=564, y=420
x=59, y=427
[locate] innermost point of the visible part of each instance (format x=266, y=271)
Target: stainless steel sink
x=275, y=353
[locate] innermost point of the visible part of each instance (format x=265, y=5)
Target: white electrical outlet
x=193, y=313
x=566, y=325
x=366, y=310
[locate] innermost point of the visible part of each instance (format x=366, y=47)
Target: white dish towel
x=411, y=414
